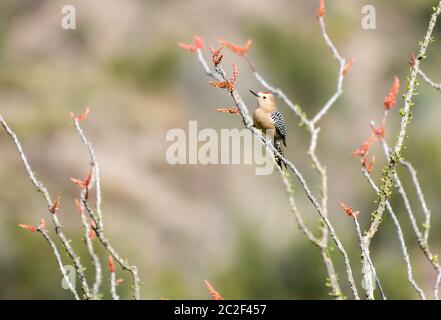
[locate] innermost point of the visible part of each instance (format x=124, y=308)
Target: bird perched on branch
x=267, y=118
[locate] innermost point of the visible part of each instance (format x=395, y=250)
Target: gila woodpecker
x=267, y=118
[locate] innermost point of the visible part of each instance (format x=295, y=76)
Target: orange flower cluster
x=83, y=183
x=378, y=132
x=197, y=44
x=28, y=227
x=391, y=99
x=348, y=66
x=229, y=84
x=235, y=48
x=348, y=209
x=217, y=55
x=214, y=294
x=228, y=110
x=81, y=117
x=363, y=151
x=112, y=267
x=389, y=103
x=321, y=11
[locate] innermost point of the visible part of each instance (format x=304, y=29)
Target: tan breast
x=262, y=119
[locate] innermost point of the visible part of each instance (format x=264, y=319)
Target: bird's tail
x=278, y=146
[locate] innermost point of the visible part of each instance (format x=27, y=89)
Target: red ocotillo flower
x=197, y=44
x=391, y=99
x=348, y=66
x=348, y=209
x=83, y=183
x=362, y=152
x=228, y=110
x=80, y=117
x=378, y=132
x=364, y=148
x=321, y=9
x=217, y=56
x=112, y=267
x=28, y=227
x=235, y=48
x=214, y=294
x=228, y=84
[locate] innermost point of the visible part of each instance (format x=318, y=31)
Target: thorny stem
x=319, y=243
x=297, y=216
x=63, y=271
x=389, y=170
x=97, y=218
x=368, y=268
x=390, y=175
x=96, y=173
x=400, y=237
x=57, y=225
x=93, y=257
x=422, y=239
x=87, y=239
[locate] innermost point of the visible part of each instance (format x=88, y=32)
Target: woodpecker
x=266, y=117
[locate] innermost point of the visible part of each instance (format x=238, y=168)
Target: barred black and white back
x=277, y=117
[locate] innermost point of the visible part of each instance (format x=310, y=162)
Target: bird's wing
x=280, y=125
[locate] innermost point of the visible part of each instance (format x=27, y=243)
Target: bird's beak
x=254, y=93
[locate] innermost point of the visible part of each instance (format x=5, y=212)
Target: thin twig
x=421, y=197
x=437, y=283
x=54, y=217
x=368, y=268
x=96, y=172
x=421, y=238
x=400, y=237
x=93, y=256
x=342, y=63
x=98, y=219
x=430, y=82
x=297, y=216
x=56, y=253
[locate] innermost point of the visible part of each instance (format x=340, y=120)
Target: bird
x=267, y=118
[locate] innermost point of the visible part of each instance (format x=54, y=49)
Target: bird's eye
x=264, y=97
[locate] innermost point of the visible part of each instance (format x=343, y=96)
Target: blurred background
x=185, y=223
